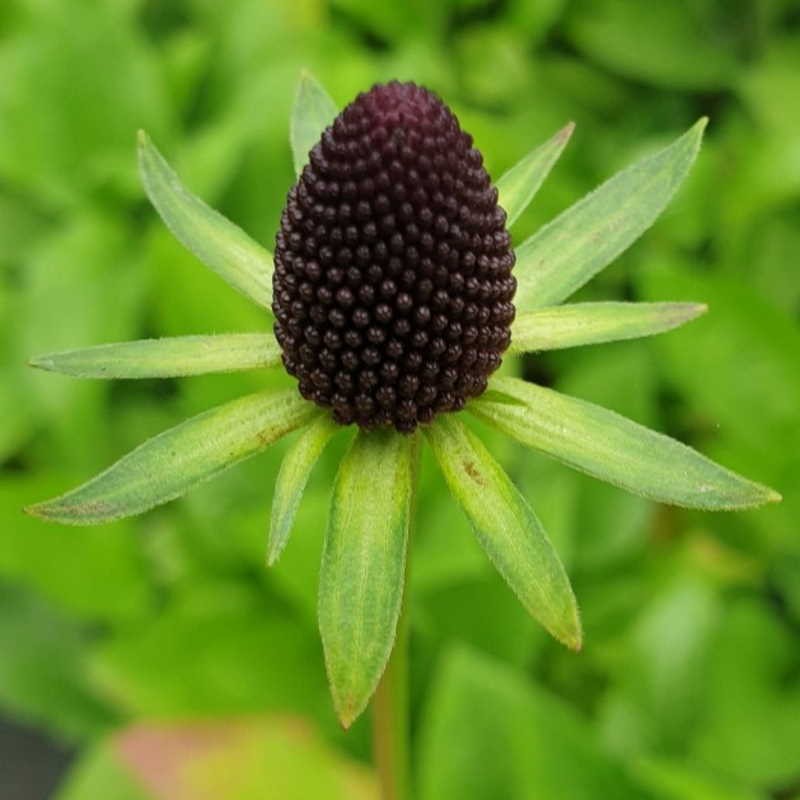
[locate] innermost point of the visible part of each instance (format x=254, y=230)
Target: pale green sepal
x=214, y=239
x=292, y=479
x=166, y=358
x=615, y=449
x=507, y=528
x=567, y=252
x=592, y=323
x=313, y=111
x=168, y=465
x=363, y=565
x=519, y=184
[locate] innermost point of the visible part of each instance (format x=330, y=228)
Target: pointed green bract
x=569, y=251
x=313, y=111
x=507, y=528
x=168, y=465
x=291, y=482
x=166, y=358
x=363, y=565
x=592, y=323
x=615, y=449
x=519, y=184
x=215, y=240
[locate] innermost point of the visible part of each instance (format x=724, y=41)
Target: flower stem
x=390, y=732
x=390, y=716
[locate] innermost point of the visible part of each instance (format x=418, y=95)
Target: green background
x=688, y=687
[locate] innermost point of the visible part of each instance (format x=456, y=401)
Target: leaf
x=576, y=245
x=479, y=612
x=591, y=323
x=363, y=565
x=659, y=685
x=166, y=358
x=313, y=111
x=619, y=35
x=617, y=450
x=168, y=465
x=216, y=646
x=750, y=724
x=95, y=79
x=291, y=482
x=611, y=528
x=43, y=668
x=215, y=240
x=101, y=577
x=677, y=780
x=490, y=732
x=507, y=529
x=71, y=276
x=519, y=184
x=739, y=375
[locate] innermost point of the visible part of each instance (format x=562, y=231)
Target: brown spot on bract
x=474, y=473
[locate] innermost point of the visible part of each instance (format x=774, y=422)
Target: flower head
x=393, y=286
x=393, y=302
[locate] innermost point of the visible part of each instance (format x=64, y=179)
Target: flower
x=393, y=284
x=392, y=299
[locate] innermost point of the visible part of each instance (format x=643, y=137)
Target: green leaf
x=313, y=111
x=43, y=668
x=489, y=732
x=166, y=358
x=507, y=529
x=677, y=780
x=519, y=184
x=101, y=577
x=98, y=773
x=95, y=79
x=215, y=240
x=591, y=323
x=750, y=724
x=291, y=482
x=738, y=374
x=620, y=35
x=168, y=465
x=569, y=251
x=214, y=647
x=70, y=279
x=615, y=449
x=363, y=565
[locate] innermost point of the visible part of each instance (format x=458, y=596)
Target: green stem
x=390, y=717
x=390, y=732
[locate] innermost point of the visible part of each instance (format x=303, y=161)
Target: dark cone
x=393, y=287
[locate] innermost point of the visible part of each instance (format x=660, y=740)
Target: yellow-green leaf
x=214, y=239
x=313, y=111
x=363, y=565
x=576, y=245
x=615, y=449
x=166, y=358
x=168, y=465
x=507, y=528
x=592, y=323
x=291, y=482
x=519, y=184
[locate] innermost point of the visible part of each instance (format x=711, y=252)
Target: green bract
x=363, y=564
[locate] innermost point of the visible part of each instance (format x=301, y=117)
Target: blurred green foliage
x=689, y=684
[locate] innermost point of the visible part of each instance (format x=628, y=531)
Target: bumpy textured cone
x=393, y=287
